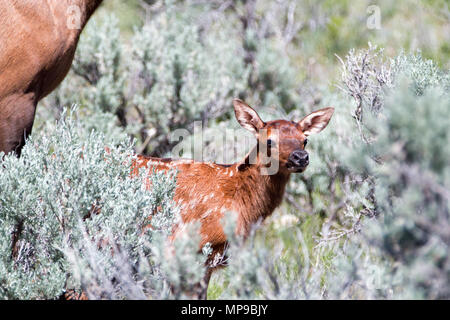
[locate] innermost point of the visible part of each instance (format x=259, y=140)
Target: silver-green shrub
x=181, y=76
x=411, y=190
x=403, y=252
x=73, y=217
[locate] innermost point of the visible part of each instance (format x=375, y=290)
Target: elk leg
x=202, y=289
x=216, y=260
x=16, y=121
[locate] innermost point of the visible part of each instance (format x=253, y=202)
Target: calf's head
x=283, y=140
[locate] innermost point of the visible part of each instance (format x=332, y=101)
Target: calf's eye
x=305, y=142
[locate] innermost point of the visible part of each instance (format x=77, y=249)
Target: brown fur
x=36, y=52
x=206, y=191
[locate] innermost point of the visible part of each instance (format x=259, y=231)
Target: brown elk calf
x=37, y=45
x=206, y=191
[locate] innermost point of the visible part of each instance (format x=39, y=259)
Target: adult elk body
x=38, y=40
x=250, y=188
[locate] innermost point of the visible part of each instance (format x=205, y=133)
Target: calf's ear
x=247, y=117
x=316, y=121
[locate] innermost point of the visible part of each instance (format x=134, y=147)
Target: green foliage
x=71, y=214
x=406, y=159
x=420, y=72
x=175, y=85
x=412, y=190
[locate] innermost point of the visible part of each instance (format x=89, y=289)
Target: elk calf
x=206, y=191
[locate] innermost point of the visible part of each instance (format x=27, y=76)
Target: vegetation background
x=369, y=219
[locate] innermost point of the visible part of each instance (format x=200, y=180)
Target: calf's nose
x=299, y=158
